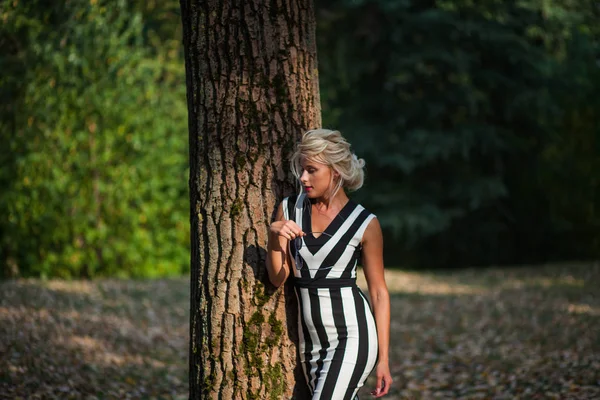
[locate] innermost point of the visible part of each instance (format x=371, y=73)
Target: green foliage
x=95, y=172
x=455, y=106
x=478, y=122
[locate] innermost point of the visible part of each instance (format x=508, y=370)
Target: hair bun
x=358, y=161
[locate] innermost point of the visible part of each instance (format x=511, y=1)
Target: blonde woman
x=318, y=237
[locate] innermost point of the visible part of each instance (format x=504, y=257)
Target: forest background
x=478, y=122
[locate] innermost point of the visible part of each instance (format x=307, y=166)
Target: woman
x=318, y=236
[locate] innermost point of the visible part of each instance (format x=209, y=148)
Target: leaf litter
x=529, y=332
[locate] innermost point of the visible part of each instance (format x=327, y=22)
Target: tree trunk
x=252, y=89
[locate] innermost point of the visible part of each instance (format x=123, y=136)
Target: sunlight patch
x=581, y=308
x=410, y=282
x=75, y=287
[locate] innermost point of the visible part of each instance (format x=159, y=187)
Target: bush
x=94, y=171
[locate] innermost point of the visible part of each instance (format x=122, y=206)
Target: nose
x=304, y=177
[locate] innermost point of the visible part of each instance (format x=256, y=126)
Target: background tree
x=457, y=107
x=252, y=90
x=476, y=119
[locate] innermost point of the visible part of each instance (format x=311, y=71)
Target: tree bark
x=252, y=88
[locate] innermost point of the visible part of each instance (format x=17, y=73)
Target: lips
x=308, y=188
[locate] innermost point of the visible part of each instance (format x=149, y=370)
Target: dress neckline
x=334, y=224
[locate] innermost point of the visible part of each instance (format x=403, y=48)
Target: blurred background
x=478, y=122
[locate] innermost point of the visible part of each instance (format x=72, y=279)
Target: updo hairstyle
x=330, y=148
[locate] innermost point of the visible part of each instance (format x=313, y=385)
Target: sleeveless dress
x=337, y=333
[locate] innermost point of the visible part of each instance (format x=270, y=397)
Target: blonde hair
x=330, y=148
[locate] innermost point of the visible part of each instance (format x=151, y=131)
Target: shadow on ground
x=501, y=333
x=101, y=339
x=497, y=333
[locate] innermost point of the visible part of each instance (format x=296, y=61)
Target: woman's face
x=315, y=178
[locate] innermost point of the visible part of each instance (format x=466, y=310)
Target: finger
x=377, y=388
x=297, y=231
x=294, y=226
x=382, y=386
x=386, y=386
x=384, y=390
x=288, y=229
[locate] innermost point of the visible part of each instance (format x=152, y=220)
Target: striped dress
x=337, y=333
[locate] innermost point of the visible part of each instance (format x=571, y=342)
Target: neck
x=338, y=201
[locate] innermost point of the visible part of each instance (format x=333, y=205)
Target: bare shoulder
x=373, y=232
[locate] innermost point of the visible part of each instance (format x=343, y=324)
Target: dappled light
x=584, y=309
x=474, y=333
x=478, y=281
x=78, y=287
x=412, y=282
x=506, y=333
x=147, y=144
x=107, y=338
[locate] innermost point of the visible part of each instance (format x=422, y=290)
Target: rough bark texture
x=252, y=90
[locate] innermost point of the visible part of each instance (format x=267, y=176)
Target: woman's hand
x=287, y=229
x=281, y=231
x=384, y=380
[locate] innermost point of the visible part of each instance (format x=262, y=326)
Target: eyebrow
x=309, y=165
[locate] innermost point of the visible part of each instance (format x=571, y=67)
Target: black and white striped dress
x=338, y=337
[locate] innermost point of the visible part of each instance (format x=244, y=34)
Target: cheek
x=324, y=179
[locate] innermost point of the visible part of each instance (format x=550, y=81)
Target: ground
x=529, y=332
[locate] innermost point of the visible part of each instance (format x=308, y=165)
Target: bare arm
x=280, y=232
x=373, y=267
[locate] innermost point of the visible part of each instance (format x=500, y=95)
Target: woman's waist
x=323, y=282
